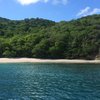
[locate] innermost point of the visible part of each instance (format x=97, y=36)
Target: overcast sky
x=56, y=10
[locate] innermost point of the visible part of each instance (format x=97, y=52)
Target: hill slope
x=41, y=38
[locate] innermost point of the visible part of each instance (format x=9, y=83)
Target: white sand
x=33, y=60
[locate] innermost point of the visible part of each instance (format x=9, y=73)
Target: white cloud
x=88, y=11
x=95, y=11
x=55, y=2
x=28, y=2
x=84, y=12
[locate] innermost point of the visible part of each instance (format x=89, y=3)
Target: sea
x=29, y=81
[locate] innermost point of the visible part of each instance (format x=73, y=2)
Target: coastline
x=33, y=60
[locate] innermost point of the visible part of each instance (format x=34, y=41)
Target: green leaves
x=40, y=38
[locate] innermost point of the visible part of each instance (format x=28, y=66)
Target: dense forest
x=41, y=38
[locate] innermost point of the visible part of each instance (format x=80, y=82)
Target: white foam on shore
x=33, y=60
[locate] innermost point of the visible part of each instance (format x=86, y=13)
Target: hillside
x=41, y=38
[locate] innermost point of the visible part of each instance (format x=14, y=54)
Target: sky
x=56, y=10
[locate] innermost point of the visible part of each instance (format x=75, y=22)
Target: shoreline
x=34, y=60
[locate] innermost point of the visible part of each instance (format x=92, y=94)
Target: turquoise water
x=49, y=82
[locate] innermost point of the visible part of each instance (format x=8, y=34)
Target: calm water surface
x=49, y=82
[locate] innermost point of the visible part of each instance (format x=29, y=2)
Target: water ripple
x=49, y=82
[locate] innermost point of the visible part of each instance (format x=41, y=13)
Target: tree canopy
x=41, y=38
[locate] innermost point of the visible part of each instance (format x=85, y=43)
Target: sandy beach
x=33, y=60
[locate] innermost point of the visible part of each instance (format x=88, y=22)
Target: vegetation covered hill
x=40, y=38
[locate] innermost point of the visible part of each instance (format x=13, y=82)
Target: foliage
x=41, y=38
